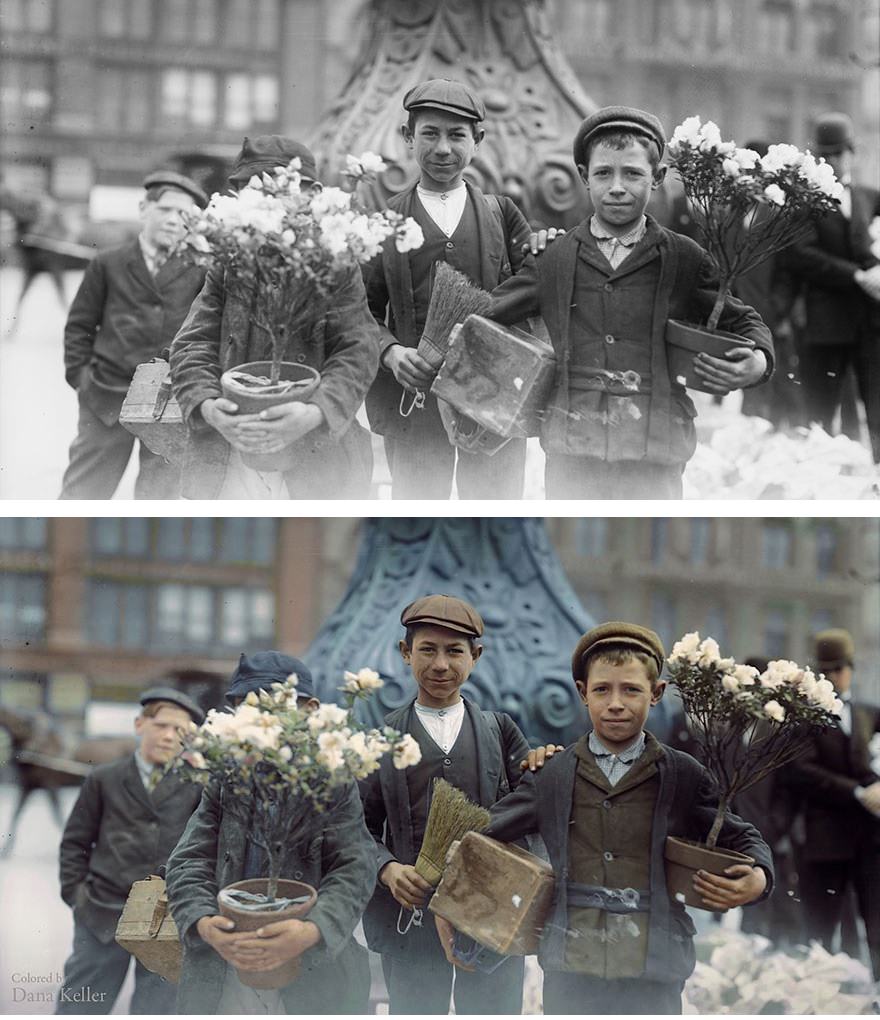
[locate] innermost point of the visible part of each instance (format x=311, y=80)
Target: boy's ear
x=406, y=134
x=139, y=724
x=405, y=651
x=477, y=652
x=659, y=176
x=479, y=136
x=582, y=690
x=584, y=173
x=657, y=691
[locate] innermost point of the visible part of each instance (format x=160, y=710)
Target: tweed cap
x=617, y=633
x=619, y=118
x=834, y=648
x=833, y=133
x=445, y=94
x=266, y=152
x=263, y=669
x=444, y=611
x=172, y=179
x=176, y=697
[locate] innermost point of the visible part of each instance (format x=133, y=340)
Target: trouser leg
x=570, y=477
x=152, y=994
x=421, y=466
x=500, y=992
x=867, y=367
x=157, y=479
x=418, y=984
x=98, y=458
x=822, y=887
x=568, y=992
x=93, y=974
x=822, y=371
x=867, y=884
x=501, y=476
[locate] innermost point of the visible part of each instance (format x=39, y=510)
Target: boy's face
x=620, y=182
x=443, y=145
x=160, y=733
x=162, y=223
x=618, y=699
x=441, y=660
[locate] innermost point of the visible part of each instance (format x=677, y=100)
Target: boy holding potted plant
x=617, y=424
x=615, y=940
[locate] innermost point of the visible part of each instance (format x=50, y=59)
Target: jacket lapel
x=486, y=751
x=395, y=789
x=490, y=239
x=398, y=275
x=138, y=268
x=132, y=782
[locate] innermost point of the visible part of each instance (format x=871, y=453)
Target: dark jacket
x=502, y=230
x=117, y=834
x=685, y=806
x=211, y=854
x=686, y=289
x=385, y=794
x=335, y=335
x=121, y=317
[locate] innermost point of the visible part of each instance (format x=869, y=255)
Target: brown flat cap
x=617, y=633
x=172, y=179
x=176, y=697
x=266, y=152
x=619, y=118
x=833, y=133
x=834, y=648
x=445, y=94
x=444, y=611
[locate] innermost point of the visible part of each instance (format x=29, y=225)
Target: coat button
x=608, y=855
x=608, y=287
x=609, y=339
x=300, y=358
x=447, y=761
x=449, y=244
x=297, y=875
x=606, y=803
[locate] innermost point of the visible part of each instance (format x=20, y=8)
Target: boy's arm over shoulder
x=516, y=230
x=80, y=834
x=517, y=298
x=83, y=320
x=514, y=748
x=191, y=872
x=516, y=815
x=195, y=351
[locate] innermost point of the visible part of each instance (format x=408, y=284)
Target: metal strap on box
x=615, y=901
x=618, y=384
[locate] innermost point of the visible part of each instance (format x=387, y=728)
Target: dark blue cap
x=262, y=669
x=175, y=697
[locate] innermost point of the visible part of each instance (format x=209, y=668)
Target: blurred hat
x=444, y=611
x=617, y=633
x=619, y=118
x=833, y=133
x=263, y=669
x=266, y=152
x=176, y=697
x=445, y=94
x=834, y=649
x=758, y=145
x=172, y=179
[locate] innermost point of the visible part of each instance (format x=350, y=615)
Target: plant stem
x=714, y=832
x=721, y=297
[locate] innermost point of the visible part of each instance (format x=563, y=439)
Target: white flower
x=330, y=200
x=710, y=653
x=196, y=759
x=773, y=193
x=372, y=163
x=364, y=680
x=730, y=166
x=710, y=136
x=746, y=676
x=687, y=649
x=688, y=132
x=773, y=710
x=285, y=753
x=781, y=156
x=409, y=236
x=747, y=159
x=326, y=717
x=406, y=752
x=730, y=682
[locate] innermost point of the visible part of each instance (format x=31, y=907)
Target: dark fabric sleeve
x=516, y=230
x=516, y=815
x=517, y=298
x=195, y=352
x=809, y=261
x=514, y=746
x=375, y=818
x=80, y=835
x=816, y=782
x=376, y=287
x=83, y=320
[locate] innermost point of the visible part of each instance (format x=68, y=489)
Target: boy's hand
x=738, y=368
x=447, y=934
x=220, y=414
x=283, y=424
x=405, y=884
x=539, y=239
x=409, y=368
x=235, y=947
x=282, y=941
x=538, y=755
x=722, y=893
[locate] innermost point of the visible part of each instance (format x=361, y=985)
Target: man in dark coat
x=126, y=820
x=841, y=797
x=331, y=454
x=128, y=308
x=479, y=235
x=840, y=277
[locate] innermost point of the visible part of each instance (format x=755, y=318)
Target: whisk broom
x=450, y=817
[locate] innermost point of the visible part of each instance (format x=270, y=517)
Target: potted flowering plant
x=280, y=768
x=278, y=246
x=748, y=207
x=747, y=724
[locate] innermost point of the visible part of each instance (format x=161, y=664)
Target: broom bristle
x=453, y=299
x=450, y=817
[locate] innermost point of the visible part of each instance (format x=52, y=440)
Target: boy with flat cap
x=616, y=425
x=483, y=754
x=479, y=235
x=216, y=850
x=129, y=306
x=615, y=940
x=330, y=453
x=124, y=824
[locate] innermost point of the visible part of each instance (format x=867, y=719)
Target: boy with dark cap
x=335, y=335
x=479, y=235
x=616, y=425
x=129, y=306
x=483, y=754
x=215, y=851
x=125, y=822
x=615, y=941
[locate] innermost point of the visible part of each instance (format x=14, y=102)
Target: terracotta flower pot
x=683, y=341
x=253, y=399
x=684, y=858
x=250, y=920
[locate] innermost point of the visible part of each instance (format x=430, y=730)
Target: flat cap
x=445, y=94
x=617, y=633
x=176, y=697
x=172, y=179
x=263, y=669
x=834, y=648
x=266, y=152
x=833, y=133
x=444, y=611
x=619, y=118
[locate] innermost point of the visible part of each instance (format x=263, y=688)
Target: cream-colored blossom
x=773, y=193
x=687, y=649
x=327, y=716
x=406, y=752
x=364, y=680
x=409, y=236
x=773, y=710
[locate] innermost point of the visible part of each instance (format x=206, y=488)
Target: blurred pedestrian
x=129, y=306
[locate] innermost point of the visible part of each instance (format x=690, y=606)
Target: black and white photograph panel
x=504, y=766
x=440, y=249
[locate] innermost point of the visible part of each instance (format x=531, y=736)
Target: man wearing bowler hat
x=838, y=269
x=330, y=456
x=124, y=824
x=841, y=795
x=480, y=236
x=129, y=306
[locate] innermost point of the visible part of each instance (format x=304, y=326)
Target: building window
x=776, y=25
x=26, y=15
x=25, y=92
x=254, y=24
x=716, y=625
x=120, y=536
x=821, y=619
x=827, y=545
x=776, y=546
x=823, y=31
x=186, y=540
x=592, y=537
x=659, y=539
x=596, y=605
x=701, y=538
x=663, y=617
x=132, y=19
x=247, y=540
x=250, y=100
x=189, y=97
x=190, y=21
x=22, y=607
x=125, y=99
x=776, y=628
x=19, y=533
